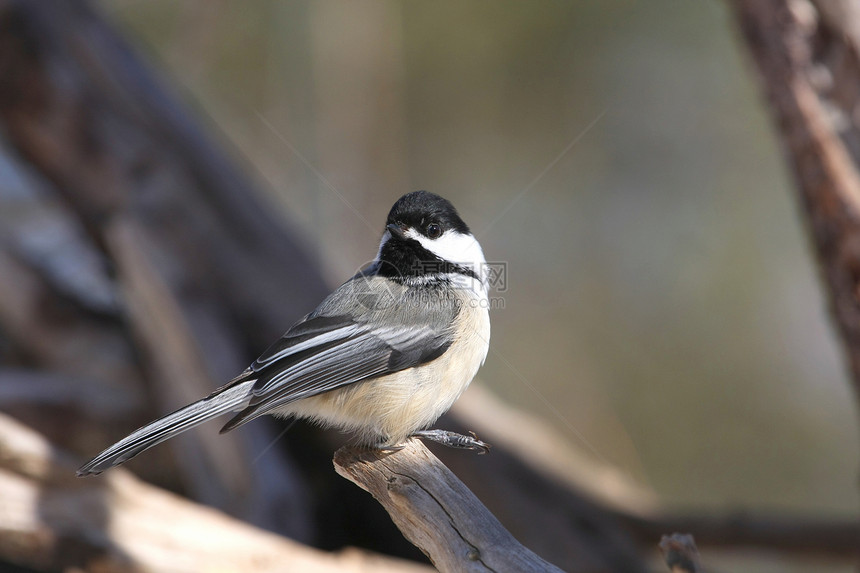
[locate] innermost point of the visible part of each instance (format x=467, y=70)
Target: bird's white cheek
x=453, y=247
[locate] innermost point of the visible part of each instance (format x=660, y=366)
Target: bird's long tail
x=231, y=398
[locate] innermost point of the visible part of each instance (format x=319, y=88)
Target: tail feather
x=185, y=418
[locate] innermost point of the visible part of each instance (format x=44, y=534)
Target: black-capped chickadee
x=383, y=356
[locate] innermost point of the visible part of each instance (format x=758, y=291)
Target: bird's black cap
x=420, y=208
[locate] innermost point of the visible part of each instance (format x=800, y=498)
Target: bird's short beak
x=396, y=230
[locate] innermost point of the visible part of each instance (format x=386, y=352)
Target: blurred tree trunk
x=808, y=57
x=198, y=266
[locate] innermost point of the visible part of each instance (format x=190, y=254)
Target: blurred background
x=662, y=308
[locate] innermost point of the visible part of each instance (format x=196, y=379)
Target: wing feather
x=329, y=351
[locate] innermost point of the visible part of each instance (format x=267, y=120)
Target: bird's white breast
x=390, y=408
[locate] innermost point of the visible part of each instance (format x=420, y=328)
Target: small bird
x=383, y=356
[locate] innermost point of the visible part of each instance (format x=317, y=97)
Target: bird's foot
x=454, y=440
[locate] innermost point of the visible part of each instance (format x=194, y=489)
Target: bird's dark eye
x=434, y=231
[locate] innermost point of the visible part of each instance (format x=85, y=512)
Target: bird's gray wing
x=380, y=328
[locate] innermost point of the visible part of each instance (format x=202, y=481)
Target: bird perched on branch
x=383, y=356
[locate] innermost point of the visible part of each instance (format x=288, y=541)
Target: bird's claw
x=455, y=440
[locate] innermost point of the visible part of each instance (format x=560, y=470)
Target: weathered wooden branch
x=51, y=520
x=436, y=511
